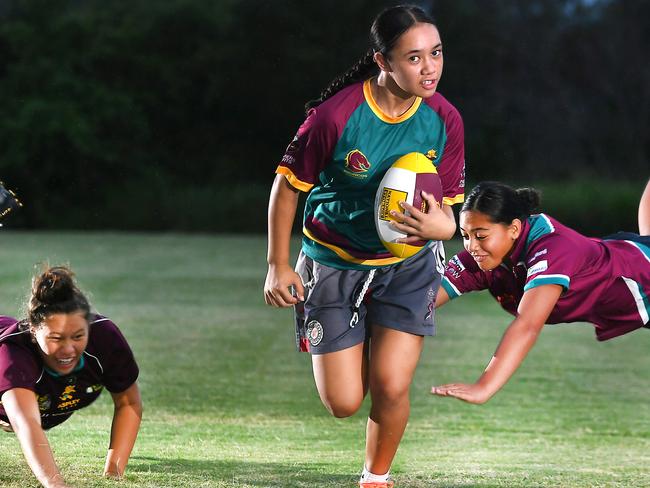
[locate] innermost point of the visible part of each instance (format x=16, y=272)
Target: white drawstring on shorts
x=355, y=314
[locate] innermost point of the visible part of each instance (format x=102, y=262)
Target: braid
x=359, y=71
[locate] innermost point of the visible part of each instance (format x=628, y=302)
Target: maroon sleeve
x=452, y=165
x=312, y=147
x=18, y=367
x=463, y=275
x=107, y=343
x=309, y=152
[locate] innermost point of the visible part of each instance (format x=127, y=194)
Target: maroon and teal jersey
x=340, y=155
x=605, y=282
x=107, y=363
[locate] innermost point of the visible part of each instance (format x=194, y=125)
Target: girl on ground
x=360, y=312
x=58, y=360
x=543, y=272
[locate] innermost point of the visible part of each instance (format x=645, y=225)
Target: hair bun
x=54, y=285
x=530, y=199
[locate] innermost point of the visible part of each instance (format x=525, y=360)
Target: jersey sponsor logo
x=432, y=154
x=288, y=158
x=356, y=163
x=44, y=402
x=314, y=332
x=537, y=254
x=94, y=388
x=454, y=267
x=67, y=398
x=537, y=268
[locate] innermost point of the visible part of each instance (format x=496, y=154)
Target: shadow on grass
x=240, y=473
x=192, y=472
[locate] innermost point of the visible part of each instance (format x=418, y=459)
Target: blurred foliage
x=172, y=115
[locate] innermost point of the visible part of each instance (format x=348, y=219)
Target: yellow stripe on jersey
x=348, y=257
x=460, y=198
x=295, y=182
x=367, y=93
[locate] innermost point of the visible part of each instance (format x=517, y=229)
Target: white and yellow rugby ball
x=403, y=182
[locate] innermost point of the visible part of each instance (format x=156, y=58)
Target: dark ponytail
x=54, y=291
x=502, y=203
x=385, y=31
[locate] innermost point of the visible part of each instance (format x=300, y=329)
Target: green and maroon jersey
x=340, y=155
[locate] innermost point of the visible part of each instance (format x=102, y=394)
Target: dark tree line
x=172, y=115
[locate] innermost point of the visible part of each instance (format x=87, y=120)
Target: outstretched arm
x=126, y=423
x=281, y=276
x=22, y=409
x=520, y=336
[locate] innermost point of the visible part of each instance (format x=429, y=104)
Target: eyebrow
x=414, y=51
x=475, y=229
x=59, y=334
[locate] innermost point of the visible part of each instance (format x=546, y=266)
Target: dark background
x=172, y=115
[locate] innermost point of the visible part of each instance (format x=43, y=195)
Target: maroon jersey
x=107, y=363
x=605, y=282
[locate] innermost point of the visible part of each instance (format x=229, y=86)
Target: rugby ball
x=403, y=182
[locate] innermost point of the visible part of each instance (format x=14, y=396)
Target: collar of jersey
x=367, y=93
x=57, y=375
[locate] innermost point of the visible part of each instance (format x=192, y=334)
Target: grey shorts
x=340, y=305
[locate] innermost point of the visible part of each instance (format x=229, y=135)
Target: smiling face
x=415, y=62
x=488, y=242
x=62, y=339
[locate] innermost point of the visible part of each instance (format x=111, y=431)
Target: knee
x=342, y=407
x=390, y=392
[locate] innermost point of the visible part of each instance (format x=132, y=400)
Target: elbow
x=530, y=328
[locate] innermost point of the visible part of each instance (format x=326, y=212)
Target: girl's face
x=415, y=62
x=62, y=339
x=489, y=243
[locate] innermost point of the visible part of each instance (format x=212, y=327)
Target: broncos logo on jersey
x=356, y=162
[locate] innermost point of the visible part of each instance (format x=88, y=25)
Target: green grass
x=228, y=403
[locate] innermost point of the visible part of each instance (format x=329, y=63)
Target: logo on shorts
x=314, y=332
x=431, y=296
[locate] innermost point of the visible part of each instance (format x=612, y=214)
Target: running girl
x=361, y=312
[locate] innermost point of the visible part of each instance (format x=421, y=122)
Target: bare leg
x=341, y=379
x=393, y=358
x=644, y=212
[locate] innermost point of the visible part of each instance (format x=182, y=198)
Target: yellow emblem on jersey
x=432, y=154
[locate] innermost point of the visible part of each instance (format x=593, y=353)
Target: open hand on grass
x=472, y=393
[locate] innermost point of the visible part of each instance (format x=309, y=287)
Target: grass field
x=228, y=403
